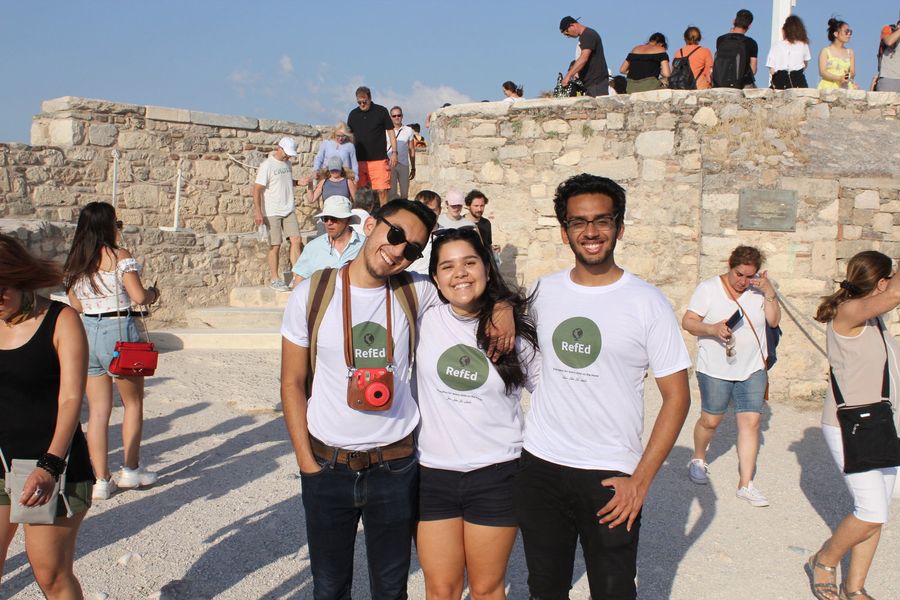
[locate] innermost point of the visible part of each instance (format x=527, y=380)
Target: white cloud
x=421, y=100
x=286, y=65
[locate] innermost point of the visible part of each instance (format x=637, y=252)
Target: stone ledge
x=217, y=120
x=162, y=113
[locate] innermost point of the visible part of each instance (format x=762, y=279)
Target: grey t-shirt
x=595, y=70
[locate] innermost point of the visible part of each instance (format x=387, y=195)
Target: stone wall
x=71, y=162
x=683, y=158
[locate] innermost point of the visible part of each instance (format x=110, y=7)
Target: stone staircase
x=251, y=321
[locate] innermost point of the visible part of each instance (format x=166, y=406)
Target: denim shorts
x=482, y=497
x=715, y=393
x=102, y=335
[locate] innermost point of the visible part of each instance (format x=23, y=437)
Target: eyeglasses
x=119, y=225
x=848, y=32
x=396, y=116
x=396, y=236
x=602, y=223
x=362, y=102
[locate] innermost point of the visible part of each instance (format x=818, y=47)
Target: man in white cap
x=273, y=204
x=454, y=218
x=338, y=245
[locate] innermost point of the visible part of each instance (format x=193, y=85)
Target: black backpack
x=682, y=77
x=730, y=64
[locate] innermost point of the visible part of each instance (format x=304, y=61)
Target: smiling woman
x=471, y=430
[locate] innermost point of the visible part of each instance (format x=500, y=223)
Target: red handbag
x=133, y=359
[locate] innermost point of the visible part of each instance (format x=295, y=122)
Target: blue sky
x=302, y=62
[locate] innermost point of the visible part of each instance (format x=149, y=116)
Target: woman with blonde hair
x=43, y=359
x=837, y=64
x=340, y=144
x=861, y=354
x=102, y=282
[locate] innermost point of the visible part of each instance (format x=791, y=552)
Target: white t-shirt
x=597, y=343
x=785, y=56
x=404, y=137
x=711, y=301
x=328, y=416
x=278, y=197
x=468, y=419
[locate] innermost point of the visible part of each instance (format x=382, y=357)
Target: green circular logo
x=577, y=342
x=369, y=345
x=463, y=368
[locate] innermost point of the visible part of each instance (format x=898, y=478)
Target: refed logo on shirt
x=463, y=368
x=577, y=342
x=369, y=345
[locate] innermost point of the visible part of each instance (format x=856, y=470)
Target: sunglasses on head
x=470, y=230
x=396, y=236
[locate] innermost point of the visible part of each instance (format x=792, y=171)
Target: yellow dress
x=838, y=67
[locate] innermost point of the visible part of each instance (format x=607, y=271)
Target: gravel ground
x=226, y=521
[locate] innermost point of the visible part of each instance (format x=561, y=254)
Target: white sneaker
x=279, y=286
x=132, y=478
x=752, y=495
x=103, y=489
x=698, y=471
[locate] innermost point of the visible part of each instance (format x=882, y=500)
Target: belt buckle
x=357, y=455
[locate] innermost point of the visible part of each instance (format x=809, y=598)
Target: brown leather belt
x=358, y=460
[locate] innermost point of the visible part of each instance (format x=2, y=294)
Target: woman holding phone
x=728, y=313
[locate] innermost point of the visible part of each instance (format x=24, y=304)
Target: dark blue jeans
x=555, y=507
x=335, y=499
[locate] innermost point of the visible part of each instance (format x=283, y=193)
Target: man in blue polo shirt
x=337, y=246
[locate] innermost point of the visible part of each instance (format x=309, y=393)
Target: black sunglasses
x=396, y=116
x=119, y=225
x=396, y=236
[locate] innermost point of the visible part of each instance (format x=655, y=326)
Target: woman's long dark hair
x=22, y=270
x=864, y=271
x=509, y=366
x=95, y=231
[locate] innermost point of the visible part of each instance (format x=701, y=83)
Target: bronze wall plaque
x=767, y=210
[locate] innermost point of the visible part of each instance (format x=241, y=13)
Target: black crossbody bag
x=868, y=433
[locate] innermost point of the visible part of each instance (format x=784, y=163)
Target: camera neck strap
x=348, y=321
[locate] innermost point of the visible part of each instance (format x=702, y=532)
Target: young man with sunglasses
x=405, y=169
x=584, y=473
x=369, y=123
x=360, y=464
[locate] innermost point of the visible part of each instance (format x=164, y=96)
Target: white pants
x=871, y=490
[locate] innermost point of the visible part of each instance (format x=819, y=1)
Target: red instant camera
x=370, y=389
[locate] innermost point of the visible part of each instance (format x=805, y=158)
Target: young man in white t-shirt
x=354, y=463
x=584, y=473
x=273, y=204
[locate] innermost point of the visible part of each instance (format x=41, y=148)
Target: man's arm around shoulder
x=631, y=491
x=294, y=369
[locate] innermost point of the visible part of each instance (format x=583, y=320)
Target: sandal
x=861, y=592
x=824, y=590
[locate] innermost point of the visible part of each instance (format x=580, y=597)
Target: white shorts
x=871, y=490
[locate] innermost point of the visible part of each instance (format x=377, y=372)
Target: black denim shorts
x=482, y=497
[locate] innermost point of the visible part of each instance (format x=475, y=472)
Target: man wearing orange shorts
x=369, y=123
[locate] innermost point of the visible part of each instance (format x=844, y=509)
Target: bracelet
x=52, y=464
x=772, y=299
